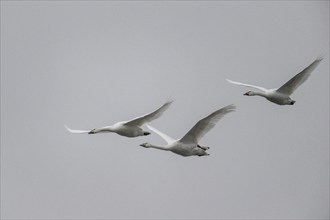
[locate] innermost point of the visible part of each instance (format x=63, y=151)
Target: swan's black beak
x=292, y=102
x=247, y=93
x=91, y=132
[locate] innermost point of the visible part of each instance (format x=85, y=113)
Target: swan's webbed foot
x=145, y=133
x=205, y=154
x=204, y=148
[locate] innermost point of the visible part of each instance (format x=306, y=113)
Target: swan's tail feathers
x=76, y=131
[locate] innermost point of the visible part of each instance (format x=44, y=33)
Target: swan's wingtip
x=230, y=108
x=169, y=101
x=67, y=128
x=150, y=127
x=319, y=57
x=231, y=81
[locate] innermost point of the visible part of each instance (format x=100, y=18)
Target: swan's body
x=130, y=128
x=188, y=144
x=281, y=96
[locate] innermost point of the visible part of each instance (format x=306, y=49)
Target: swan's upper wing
x=289, y=87
x=205, y=125
x=167, y=138
x=247, y=85
x=149, y=117
x=76, y=131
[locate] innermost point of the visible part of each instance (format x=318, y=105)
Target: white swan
x=188, y=145
x=281, y=96
x=130, y=128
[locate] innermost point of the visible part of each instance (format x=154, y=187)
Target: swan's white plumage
x=247, y=85
x=281, y=95
x=167, y=138
x=76, y=131
x=290, y=86
x=139, y=121
x=205, y=125
x=188, y=145
x=128, y=128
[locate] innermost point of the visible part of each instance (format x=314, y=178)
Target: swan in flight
x=281, y=96
x=188, y=144
x=130, y=128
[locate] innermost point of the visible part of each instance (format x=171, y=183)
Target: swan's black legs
x=204, y=148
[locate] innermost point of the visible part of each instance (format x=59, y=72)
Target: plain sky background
x=93, y=63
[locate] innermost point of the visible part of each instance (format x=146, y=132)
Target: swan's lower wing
x=247, y=85
x=205, y=125
x=139, y=121
x=76, y=131
x=290, y=86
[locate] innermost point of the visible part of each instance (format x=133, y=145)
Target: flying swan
x=281, y=96
x=188, y=145
x=130, y=128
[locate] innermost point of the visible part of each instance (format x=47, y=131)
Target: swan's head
x=93, y=131
x=146, y=145
x=249, y=93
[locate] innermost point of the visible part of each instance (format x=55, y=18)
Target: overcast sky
x=89, y=64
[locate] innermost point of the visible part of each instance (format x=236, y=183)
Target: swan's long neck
x=259, y=93
x=102, y=130
x=159, y=147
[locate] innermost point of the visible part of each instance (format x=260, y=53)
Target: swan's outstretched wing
x=167, y=138
x=149, y=117
x=247, y=85
x=205, y=125
x=289, y=87
x=76, y=131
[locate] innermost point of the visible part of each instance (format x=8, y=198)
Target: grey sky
x=90, y=64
